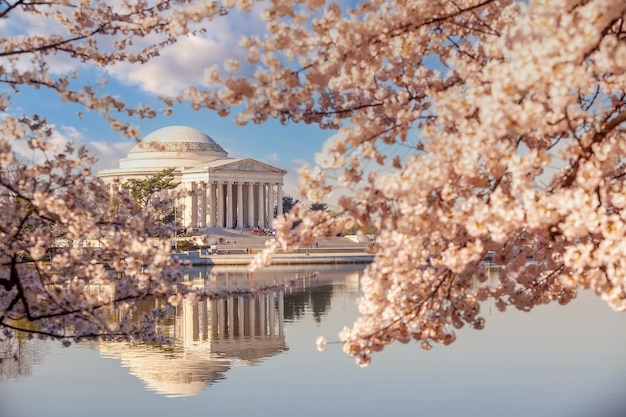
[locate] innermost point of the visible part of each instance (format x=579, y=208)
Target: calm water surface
x=257, y=357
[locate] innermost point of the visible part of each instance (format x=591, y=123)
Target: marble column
x=261, y=206
x=214, y=327
x=252, y=322
x=204, y=320
x=230, y=321
x=240, y=317
x=229, y=204
x=239, y=205
x=221, y=314
x=262, y=321
x=213, y=197
x=271, y=314
x=279, y=199
x=194, y=205
x=190, y=206
x=203, y=204
x=251, y=221
x=220, y=204
x=281, y=312
x=270, y=205
x=188, y=324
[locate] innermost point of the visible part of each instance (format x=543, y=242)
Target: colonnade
x=233, y=318
x=232, y=204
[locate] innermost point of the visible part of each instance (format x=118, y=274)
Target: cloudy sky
x=178, y=66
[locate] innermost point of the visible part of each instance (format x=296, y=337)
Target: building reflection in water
x=212, y=335
x=208, y=338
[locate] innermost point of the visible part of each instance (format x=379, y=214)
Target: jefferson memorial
x=223, y=192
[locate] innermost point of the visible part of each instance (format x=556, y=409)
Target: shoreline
x=197, y=258
x=228, y=247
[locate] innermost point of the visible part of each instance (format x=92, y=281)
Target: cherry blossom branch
x=10, y=7
x=587, y=150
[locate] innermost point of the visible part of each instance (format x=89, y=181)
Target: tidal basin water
x=257, y=357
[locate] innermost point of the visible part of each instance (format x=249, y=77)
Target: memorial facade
x=222, y=192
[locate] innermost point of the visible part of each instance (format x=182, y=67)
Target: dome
x=173, y=146
x=177, y=138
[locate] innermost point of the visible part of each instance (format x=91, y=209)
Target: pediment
x=244, y=165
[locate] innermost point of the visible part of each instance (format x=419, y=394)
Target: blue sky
x=179, y=65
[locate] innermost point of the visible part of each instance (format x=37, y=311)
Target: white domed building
x=228, y=192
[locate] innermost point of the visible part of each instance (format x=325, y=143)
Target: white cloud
x=57, y=139
x=183, y=64
x=271, y=159
x=290, y=182
x=177, y=67
x=33, y=24
x=71, y=133
x=235, y=153
x=108, y=154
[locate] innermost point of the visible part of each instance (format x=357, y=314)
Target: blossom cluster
x=504, y=124
x=461, y=129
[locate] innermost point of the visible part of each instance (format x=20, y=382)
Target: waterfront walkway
x=234, y=247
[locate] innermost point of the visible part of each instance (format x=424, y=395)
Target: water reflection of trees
x=307, y=290
x=315, y=299
x=19, y=354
